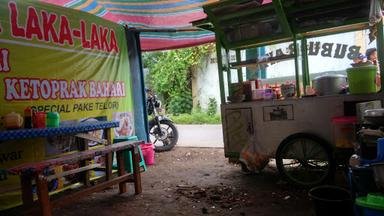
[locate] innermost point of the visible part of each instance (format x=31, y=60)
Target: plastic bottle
x=53, y=119
x=28, y=117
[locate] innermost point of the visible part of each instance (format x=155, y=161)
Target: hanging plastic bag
x=252, y=158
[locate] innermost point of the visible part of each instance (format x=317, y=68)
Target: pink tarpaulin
x=151, y=14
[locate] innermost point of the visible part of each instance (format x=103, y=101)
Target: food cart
x=296, y=131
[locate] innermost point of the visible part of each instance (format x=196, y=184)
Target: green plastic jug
x=362, y=80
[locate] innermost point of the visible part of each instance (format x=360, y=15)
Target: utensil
x=329, y=84
x=374, y=116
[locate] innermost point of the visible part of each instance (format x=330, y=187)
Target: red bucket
x=148, y=153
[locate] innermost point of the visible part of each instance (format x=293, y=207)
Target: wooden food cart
x=296, y=131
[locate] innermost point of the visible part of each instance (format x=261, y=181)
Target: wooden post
x=108, y=157
x=219, y=57
x=136, y=169
x=42, y=193
x=85, y=176
x=26, y=190
x=121, y=170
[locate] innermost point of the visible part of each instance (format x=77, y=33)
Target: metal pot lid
x=374, y=112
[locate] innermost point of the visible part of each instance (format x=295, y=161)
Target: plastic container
x=362, y=80
x=236, y=88
x=247, y=90
x=378, y=170
x=368, y=145
x=39, y=120
x=343, y=131
x=362, y=180
x=380, y=150
x=371, y=205
x=53, y=119
x=331, y=200
x=148, y=153
x=13, y=121
x=371, y=151
x=288, y=90
x=268, y=94
x=258, y=94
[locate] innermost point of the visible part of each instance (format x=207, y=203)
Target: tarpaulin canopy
x=151, y=14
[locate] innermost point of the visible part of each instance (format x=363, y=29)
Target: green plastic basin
x=373, y=201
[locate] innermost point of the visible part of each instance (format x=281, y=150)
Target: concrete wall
x=205, y=82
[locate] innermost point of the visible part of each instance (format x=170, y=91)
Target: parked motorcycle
x=162, y=131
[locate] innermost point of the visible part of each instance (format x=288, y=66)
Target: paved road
x=200, y=136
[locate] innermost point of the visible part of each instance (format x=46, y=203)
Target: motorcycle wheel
x=165, y=138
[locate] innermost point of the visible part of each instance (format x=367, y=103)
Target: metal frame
x=239, y=70
x=289, y=33
x=304, y=63
x=297, y=72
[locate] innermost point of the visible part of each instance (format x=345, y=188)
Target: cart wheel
x=305, y=160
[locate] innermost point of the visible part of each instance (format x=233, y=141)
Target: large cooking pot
x=329, y=84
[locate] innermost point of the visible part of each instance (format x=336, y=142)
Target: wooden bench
x=37, y=172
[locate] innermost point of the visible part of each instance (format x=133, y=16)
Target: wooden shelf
x=256, y=62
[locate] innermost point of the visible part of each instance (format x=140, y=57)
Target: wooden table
x=38, y=171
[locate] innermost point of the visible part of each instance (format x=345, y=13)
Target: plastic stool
x=128, y=155
x=141, y=164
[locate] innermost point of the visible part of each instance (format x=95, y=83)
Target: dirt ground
x=197, y=181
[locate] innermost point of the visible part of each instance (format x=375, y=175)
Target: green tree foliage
x=170, y=75
x=212, y=107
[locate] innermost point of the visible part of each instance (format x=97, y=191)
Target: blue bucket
x=380, y=150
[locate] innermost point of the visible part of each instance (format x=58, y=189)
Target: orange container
x=343, y=131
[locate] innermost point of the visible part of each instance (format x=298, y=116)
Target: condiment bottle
x=39, y=120
x=28, y=117
x=53, y=119
x=13, y=121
